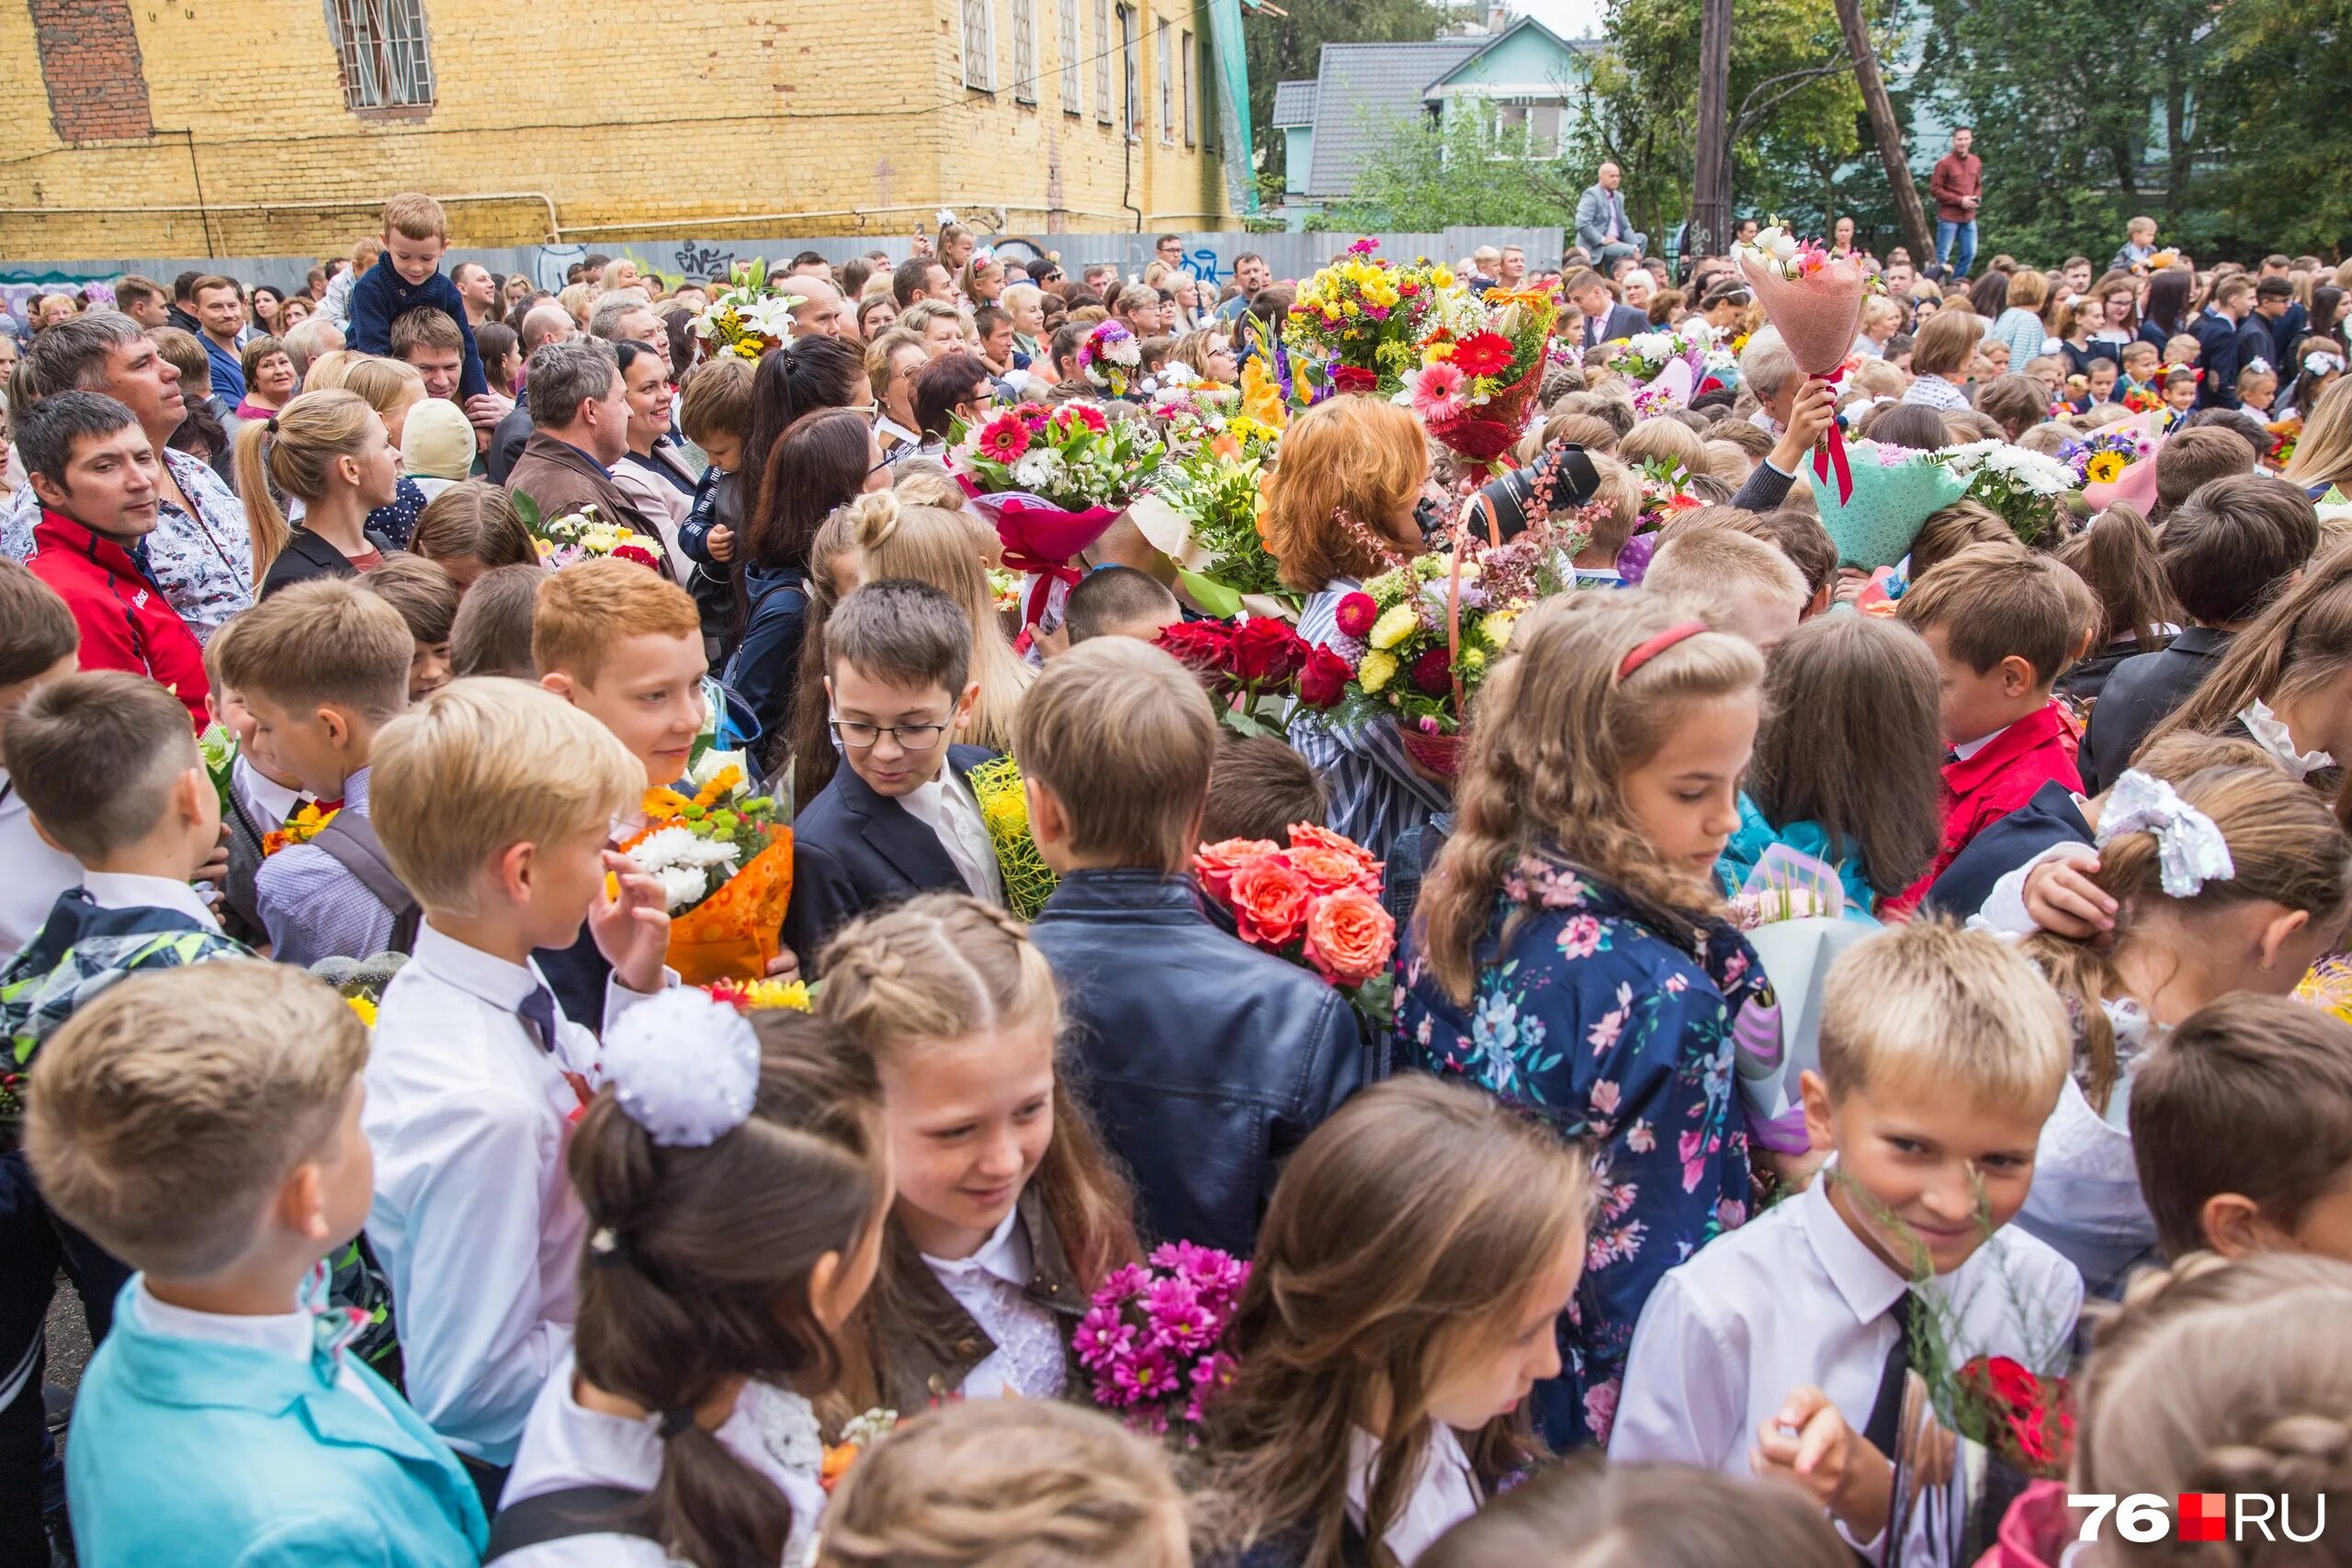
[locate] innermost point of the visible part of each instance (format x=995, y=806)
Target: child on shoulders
x=1942, y=1055
x=407, y=277
x=322, y=666
x=496, y=809
x=205, y=1126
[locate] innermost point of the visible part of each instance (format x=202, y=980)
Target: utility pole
x=1709, y=230
x=1891, y=153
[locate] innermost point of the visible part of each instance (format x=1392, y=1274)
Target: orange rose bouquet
x=1314, y=902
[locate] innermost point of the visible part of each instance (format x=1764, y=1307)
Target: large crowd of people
x=1839, y=1053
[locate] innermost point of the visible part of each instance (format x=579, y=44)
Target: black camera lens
x=1562, y=476
x=1429, y=518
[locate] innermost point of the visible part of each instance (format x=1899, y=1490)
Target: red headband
x=1644, y=652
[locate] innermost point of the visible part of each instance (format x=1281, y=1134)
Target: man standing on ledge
x=1602, y=228
x=1958, y=186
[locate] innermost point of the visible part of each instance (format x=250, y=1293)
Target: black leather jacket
x=1204, y=1061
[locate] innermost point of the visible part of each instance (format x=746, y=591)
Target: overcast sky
x=1569, y=18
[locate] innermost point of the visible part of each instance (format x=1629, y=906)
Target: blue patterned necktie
x=537, y=1013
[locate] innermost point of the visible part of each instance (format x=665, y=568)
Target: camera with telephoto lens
x=1561, y=478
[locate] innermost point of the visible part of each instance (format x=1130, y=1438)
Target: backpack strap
x=351, y=840
x=561, y=1515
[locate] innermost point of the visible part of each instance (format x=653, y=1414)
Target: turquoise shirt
x=1756, y=835
x=187, y=1451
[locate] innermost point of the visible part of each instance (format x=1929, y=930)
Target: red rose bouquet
x=1052, y=481
x=1253, y=669
x=1315, y=903
x=2026, y=1419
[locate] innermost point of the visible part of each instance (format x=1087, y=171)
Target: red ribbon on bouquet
x=1048, y=571
x=1830, y=451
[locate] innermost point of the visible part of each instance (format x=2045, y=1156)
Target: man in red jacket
x=94, y=470
x=1958, y=186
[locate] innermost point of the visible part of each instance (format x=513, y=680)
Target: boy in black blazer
x=901, y=817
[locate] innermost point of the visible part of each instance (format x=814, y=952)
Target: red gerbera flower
x=1483, y=354
x=1005, y=438
x=1082, y=413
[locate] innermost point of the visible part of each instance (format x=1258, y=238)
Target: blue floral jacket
x=1619, y=1033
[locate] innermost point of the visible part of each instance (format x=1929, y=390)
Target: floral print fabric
x=1618, y=1032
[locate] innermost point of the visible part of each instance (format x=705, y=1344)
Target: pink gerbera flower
x=1437, y=392
x=1005, y=438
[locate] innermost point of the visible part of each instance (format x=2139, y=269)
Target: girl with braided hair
x=1008, y=1214
x=1570, y=956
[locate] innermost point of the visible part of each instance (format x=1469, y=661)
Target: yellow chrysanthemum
x=364, y=1008
x=1473, y=660
x=1496, y=628
x=1443, y=277
x=1376, y=670
x=1394, y=626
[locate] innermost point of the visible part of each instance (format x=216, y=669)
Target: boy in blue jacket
x=406, y=277
x=204, y=1124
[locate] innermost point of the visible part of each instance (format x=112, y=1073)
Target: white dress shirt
x=990, y=1285
x=269, y=802
x=771, y=1429
x=1795, y=1298
x=31, y=874
x=288, y=1335
x=128, y=890
x=474, y=1218
x=1445, y=1495
x=948, y=806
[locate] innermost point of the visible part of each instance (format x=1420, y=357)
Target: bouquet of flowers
x=1224, y=556
x=750, y=317
x=219, y=746
x=1420, y=638
x=724, y=866
x=301, y=829
x=2024, y=487
x=1152, y=1340
x=757, y=996
x=1666, y=489
x=2283, y=432
x=1005, y=811
x=583, y=534
x=1647, y=355
x=1315, y=903
x=1361, y=318
x=360, y=982
x=1816, y=300
x=1052, y=481
x=1474, y=386
x=859, y=1433
x=1253, y=669
x=1109, y=358
x=2101, y=457
x=2145, y=400
x=2163, y=261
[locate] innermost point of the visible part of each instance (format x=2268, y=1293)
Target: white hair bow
x=2191, y=850
x=946, y=215
x=685, y=1068
x=2320, y=362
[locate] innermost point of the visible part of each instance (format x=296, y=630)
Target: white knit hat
x=437, y=441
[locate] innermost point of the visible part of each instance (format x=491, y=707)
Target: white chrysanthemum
x=669, y=846
x=1124, y=351
x=1037, y=468
x=1650, y=346
x=681, y=885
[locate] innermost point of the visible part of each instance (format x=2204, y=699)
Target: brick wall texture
x=851, y=113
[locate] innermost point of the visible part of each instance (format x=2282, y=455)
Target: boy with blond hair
x=1783, y=1348
x=407, y=277
x=2002, y=623
x=1248, y=1054
x=1734, y=582
x=206, y=1128
x=39, y=642
x=322, y=667
x=624, y=646
x=1610, y=513
x=496, y=810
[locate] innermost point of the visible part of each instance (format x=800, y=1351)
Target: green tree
x=2287, y=180
x=1426, y=177
x=1290, y=47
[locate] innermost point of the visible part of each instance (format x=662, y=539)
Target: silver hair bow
x=2191, y=850
x=685, y=1068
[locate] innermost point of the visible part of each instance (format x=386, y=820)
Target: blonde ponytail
x=293, y=452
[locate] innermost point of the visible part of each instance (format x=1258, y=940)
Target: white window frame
x=1073, y=101
x=1167, y=83
x=979, y=45
x=1130, y=69
x=1025, y=52
x=1102, y=61
x=1185, y=85
x=384, y=52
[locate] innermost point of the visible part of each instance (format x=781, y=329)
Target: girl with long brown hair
x=1008, y=1214
x=2116, y=557
x=735, y=1174
x=1568, y=955
x=1409, y=1279
x=2237, y=879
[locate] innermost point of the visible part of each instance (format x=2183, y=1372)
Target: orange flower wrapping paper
x=737, y=932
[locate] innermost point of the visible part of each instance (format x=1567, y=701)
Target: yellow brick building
x=258, y=126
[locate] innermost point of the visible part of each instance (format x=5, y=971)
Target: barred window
x=1131, y=71
x=382, y=53
x=979, y=44
x=1102, y=61
x=1024, y=50
x=1072, y=100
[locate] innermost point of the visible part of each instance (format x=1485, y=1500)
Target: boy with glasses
x=900, y=818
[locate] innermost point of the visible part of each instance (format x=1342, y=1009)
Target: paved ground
x=69, y=1338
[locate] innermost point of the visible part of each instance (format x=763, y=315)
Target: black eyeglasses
x=857, y=737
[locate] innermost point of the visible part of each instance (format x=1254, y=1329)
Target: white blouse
x=1445, y=1494
x=990, y=1285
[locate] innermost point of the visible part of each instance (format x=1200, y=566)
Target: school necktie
x=539, y=1015
x=1883, y=1429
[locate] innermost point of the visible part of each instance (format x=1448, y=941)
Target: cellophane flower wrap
x=1255, y=670
x=1152, y=1343
x=1052, y=481
x=1361, y=318
x=219, y=746
x=1816, y=300
x=724, y=866
x=761, y=995
x=1482, y=365
x=2101, y=457
x=585, y=534
x=1314, y=902
x=1005, y=811
x=1218, y=441
x=749, y=318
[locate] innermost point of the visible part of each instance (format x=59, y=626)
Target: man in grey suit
x=1602, y=228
